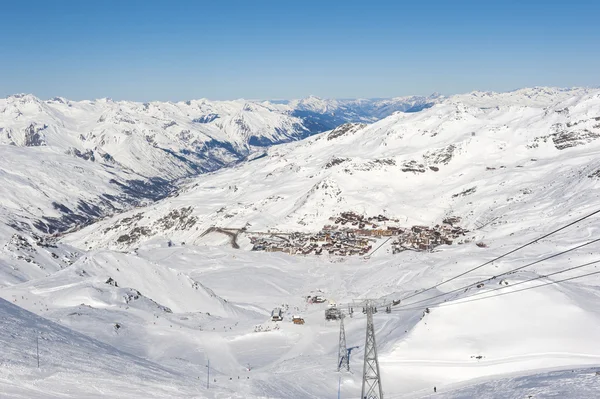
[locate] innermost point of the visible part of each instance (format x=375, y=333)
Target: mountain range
x=149, y=236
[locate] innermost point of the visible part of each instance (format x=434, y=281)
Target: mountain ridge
x=358, y=167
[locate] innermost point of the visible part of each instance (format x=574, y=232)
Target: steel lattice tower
x=371, y=385
x=343, y=361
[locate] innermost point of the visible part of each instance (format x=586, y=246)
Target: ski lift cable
x=469, y=298
x=503, y=255
x=501, y=274
x=511, y=285
x=535, y=278
x=388, y=303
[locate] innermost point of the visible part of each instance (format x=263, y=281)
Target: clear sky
x=221, y=49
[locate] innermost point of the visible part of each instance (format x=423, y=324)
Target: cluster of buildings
x=325, y=242
x=424, y=238
x=360, y=221
x=354, y=234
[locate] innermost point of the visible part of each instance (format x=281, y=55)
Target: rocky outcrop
x=206, y=118
x=571, y=134
x=565, y=140
x=178, y=219
x=464, y=193
x=346, y=128
x=87, y=155
x=335, y=161
x=441, y=156
x=34, y=136
x=413, y=166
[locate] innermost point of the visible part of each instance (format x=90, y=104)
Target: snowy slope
x=73, y=364
x=157, y=283
x=65, y=163
x=416, y=352
x=44, y=192
x=581, y=383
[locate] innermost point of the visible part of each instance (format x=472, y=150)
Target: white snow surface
x=158, y=305
x=73, y=364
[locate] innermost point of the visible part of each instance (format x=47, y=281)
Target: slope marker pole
x=208, y=375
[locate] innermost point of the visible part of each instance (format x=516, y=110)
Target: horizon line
x=275, y=100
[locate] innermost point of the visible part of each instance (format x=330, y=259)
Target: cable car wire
x=500, y=275
x=502, y=256
x=467, y=300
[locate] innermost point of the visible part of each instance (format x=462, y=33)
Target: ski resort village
x=360, y=238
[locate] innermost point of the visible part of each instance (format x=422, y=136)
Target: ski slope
x=74, y=365
x=576, y=383
x=416, y=352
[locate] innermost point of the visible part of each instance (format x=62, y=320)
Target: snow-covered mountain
x=136, y=150
x=168, y=140
x=65, y=163
x=325, y=114
x=453, y=159
x=171, y=140
x=162, y=282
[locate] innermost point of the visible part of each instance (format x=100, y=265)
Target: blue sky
x=220, y=49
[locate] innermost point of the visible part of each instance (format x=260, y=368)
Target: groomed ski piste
x=143, y=316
